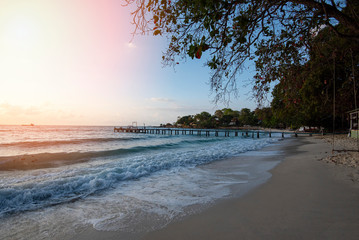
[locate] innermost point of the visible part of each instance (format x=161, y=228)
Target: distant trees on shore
x=226, y=117
x=277, y=116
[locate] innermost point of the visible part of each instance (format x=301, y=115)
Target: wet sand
x=305, y=199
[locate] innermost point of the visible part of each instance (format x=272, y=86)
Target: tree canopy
x=221, y=118
x=305, y=94
x=277, y=35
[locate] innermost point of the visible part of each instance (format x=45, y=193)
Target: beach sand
x=304, y=199
x=347, y=151
x=307, y=197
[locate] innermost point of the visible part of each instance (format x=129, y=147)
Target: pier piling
x=207, y=132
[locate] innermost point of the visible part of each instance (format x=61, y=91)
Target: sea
x=58, y=181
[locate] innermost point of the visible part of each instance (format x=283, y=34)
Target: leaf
x=191, y=51
x=157, y=32
x=205, y=47
x=155, y=19
x=199, y=53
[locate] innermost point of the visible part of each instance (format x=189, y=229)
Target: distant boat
x=28, y=125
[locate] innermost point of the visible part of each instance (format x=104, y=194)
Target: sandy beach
x=307, y=197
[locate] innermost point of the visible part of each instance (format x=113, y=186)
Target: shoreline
x=247, y=171
x=305, y=199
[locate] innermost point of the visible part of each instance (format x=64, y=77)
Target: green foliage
x=276, y=34
x=246, y=117
x=185, y=121
x=221, y=118
x=265, y=117
x=306, y=47
x=305, y=93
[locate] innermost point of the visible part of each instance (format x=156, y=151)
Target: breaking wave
x=32, y=190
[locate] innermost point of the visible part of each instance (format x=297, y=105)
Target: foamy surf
x=126, y=178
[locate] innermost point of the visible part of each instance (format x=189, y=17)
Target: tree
x=185, y=121
x=229, y=116
x=230, y=112
x=205, y=120
x=305, y=93
x=274, y=33
x=246, y=117
x=218, y=114
x=265, y=117
x=226, y=120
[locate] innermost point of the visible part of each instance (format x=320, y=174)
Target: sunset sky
x=71, y=62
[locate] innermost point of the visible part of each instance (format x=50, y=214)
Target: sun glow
x=20, y=31
x=20, y=40
x=22, y=50
x=73, y=62
x=59, y=52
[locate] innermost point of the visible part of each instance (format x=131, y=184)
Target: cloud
x=157, y=99
x=186, y=110
x=15, y=110
x=131, y=45
x=42, y=114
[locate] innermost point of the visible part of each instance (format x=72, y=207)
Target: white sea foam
x=62, y=185
x=147, y=184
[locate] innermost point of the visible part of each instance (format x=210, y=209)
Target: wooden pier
x=207, y=132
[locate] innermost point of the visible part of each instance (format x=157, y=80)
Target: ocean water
x=56, y=181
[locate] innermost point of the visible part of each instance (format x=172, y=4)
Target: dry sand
x=346, y=150
x=305, y=199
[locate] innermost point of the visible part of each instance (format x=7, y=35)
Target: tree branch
x=333, y=12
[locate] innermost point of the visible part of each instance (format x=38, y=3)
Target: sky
x=72, y=62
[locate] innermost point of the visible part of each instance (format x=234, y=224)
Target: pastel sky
x=71, y=62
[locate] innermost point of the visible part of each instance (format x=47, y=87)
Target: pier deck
x=208, y=132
